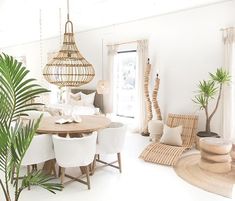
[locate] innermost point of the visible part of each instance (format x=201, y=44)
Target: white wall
x=183, y=46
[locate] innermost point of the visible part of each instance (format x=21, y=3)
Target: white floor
x=139, y=181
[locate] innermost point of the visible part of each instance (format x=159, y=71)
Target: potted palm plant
x=16, y=93
x=209, y=90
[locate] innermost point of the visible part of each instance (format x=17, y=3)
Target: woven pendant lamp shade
x=69, y=68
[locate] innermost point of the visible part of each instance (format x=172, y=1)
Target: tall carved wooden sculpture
x=149, y=114
x=155, y=102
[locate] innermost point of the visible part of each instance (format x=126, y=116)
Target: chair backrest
x=34, y=115
x=111, y=139
x=74, y=152
x=40, y=150
x=189, y=123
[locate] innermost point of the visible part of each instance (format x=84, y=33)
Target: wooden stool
x=215, y=155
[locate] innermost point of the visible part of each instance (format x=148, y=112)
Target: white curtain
x=142, y=52
x=108, y=99
x=228, y=101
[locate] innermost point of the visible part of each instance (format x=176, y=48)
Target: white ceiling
x=19, y=19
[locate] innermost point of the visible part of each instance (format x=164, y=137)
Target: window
x=125, y=84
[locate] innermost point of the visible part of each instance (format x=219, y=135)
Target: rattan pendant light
x=68, y=68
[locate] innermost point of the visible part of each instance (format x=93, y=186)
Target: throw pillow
x=75, y=96
x=75, y=99
x=172, y=136
x=88, y=99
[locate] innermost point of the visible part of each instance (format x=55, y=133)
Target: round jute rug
x=222, y=184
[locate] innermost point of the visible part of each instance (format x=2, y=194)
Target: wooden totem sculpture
x=149, y=114
x=155, y=102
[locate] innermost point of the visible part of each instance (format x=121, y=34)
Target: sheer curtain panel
x=108, y=99
x=228, y=106
x=142, y=52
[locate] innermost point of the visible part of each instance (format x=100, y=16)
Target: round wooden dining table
x=88, y=124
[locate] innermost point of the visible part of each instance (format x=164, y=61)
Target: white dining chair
x=75, y=152
x=110, y=141
x=33, y=115
x=40, y=150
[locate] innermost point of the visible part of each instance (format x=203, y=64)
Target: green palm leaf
x=221, y=76
x=207, y=88
x=201, y=100
x=39, y=178
x=5, y=110
x=17, y=89
x=4, y=146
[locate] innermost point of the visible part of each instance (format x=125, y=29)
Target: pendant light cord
x=60, y=26
x=68, y=10
x=40, y=45
x=68, y=21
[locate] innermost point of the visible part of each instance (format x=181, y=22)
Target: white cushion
x=88, y=99
x=172, y=136
x=75, y=99
x=75, y=96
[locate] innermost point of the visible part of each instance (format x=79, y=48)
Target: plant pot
x=206, y=134
x=145, y=134
x=202, y=134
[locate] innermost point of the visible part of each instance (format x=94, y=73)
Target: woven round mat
x=222, y=184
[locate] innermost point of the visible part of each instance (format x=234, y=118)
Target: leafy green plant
x=16, y=92
x=209, y=90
